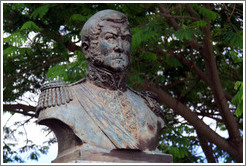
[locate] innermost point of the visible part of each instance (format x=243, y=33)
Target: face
x=114, y=46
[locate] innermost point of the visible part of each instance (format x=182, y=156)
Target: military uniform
x=102, y=119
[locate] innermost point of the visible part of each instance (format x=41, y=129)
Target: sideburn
x=95, y=56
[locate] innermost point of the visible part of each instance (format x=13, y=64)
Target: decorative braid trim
x=150, y=100
x=53, y=94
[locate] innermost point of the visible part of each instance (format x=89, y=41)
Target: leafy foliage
x=184, y=34
x=42, y=42
x=41, y=11
x=9, y=155
x=179, y=145
x=77, y=17
x=30, y=25
x=211, y=15
x=235, y=39
x=238, y=98
x=13, y=148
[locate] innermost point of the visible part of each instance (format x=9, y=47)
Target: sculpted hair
x=92, y=29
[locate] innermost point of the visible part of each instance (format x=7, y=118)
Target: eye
x=126, y=38
x=109, y=36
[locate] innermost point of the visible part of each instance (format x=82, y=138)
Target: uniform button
x=119, y=93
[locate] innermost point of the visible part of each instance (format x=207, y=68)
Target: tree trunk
x=219, y=94
x=207, y=149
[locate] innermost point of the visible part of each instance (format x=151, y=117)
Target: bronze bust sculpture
x=100, y=114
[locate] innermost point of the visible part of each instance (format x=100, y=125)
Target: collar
x=106, y=79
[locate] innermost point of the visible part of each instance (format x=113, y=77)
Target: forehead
x=116, y=28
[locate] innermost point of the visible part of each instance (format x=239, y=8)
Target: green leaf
x=10, y=51
x=30, y=25
x=75, y=73
x=239, y=110
x=44, y=149
x=183, y=152
x=200, y=23
x=235, y=39
x=16, y=39
x=211, y=15
x=40, y=11
x=222, y=126
x=173, y=62
x=136, y=79
x=149, y=56
x=77, y=17
x=18, y=6
x=175, y=151
x=237, y=100
x=34, y=156
x=183, y=33
x=148, y=33
x=15, y=51
x=236, y=57
x=238, y=84
x=58, y=72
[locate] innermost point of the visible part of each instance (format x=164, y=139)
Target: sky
x=34, y=133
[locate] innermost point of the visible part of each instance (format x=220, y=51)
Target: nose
x=119, y=45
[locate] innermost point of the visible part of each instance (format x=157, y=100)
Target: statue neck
x=106, y=79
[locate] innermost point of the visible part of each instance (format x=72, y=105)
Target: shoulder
x=54, y=93
x=77, y=82
x=151, y=101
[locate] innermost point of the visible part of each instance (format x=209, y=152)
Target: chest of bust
x=107, y=119
x=131, y=112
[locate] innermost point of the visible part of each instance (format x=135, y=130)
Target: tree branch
x=16, y=108
x=192, y=12
x=215, y=84
x=164, y=12
x=191, y=65
x=176, y=26
x=174, y=8
x=192, y=118
x=218, y=92
x=181, y=17
x=234, y=7
x=71, y=46
x=207, y=149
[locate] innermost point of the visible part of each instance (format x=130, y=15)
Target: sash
x=113, y=129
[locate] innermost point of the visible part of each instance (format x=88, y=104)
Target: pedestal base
x=119, y=156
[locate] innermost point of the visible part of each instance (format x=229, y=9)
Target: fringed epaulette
x=53, y=94
x=151, y=102
x=78, y=82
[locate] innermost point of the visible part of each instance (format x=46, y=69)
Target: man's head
x=106, y=40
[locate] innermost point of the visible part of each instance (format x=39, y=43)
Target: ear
x=85, y=47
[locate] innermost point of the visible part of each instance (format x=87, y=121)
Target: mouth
x=118, y=58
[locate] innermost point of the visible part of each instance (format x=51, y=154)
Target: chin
x=119, y=68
